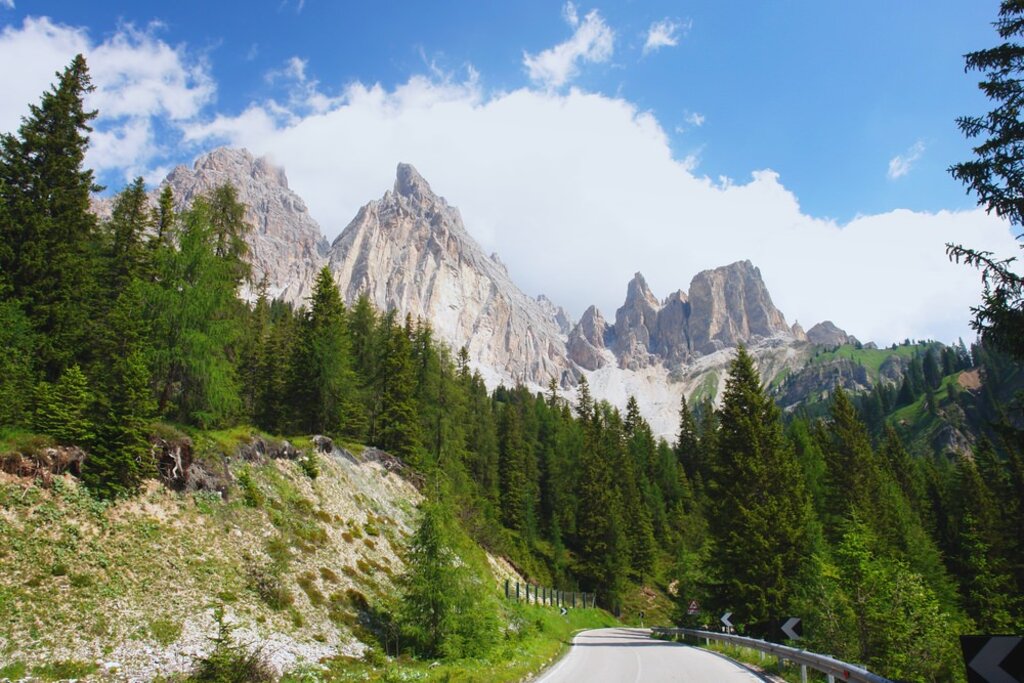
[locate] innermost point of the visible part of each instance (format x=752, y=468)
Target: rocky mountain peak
x=638, y=293
x=586, y=340
x=411, y=185
x=635, y=323
x=410, y=251
x=826, y=333
x=730, y=305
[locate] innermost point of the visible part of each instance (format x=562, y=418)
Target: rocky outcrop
x=635, y=325
x=827, y=334
x=798, y=332
x=556, y=313
x=409, y=251
x=671, y=334
x=286, y=246
x=586, y=340
x=725, y=307
x=731, y=306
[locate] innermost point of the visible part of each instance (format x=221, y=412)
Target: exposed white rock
x=410, y=251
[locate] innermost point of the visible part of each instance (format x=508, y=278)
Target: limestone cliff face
x=729, y=306
x=725, y=307
x=410, y=251
x=586, y=340
x=286, y=246
x=635, y=325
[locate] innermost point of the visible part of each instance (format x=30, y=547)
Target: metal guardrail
x=831, y=667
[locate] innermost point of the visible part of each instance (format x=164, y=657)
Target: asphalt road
x=629, y=655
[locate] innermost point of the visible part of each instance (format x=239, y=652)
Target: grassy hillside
x=132, y=585
x=299, y=556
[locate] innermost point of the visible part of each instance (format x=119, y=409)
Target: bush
x=230, y=662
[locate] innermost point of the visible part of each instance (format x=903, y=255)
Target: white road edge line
x=561, y=662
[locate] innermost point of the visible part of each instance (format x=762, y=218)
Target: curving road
x=629, y=655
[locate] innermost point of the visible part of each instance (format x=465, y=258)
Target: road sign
x=564, y=611
x=993, y=659
x=792, y=629
x=693, y=608
x=725, y=619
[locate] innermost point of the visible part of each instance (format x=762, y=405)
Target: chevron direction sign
x=993, y=659
x=725, y=620
x=791, y=628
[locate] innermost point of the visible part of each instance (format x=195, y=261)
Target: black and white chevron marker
x=993, y=659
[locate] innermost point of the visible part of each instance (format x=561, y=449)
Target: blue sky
x=713, y=130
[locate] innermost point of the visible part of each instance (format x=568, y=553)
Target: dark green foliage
x=62, y=410
x=17, y=374
x=49, y=260
x=120, y=459
x=324, y=384
x=761, y=514
x=995, y=175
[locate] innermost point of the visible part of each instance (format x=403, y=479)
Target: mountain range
x=410, y=251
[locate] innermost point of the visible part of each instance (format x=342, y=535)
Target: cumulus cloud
x=592, y=41
x=577, y=191
x=664, y=33
x=142, y=85
x=901, y=164
x=7, y=4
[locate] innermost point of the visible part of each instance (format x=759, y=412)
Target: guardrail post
x=803, y=673
x=831, y=678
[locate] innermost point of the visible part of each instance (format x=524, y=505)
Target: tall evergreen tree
x=761, y=521
x=49, y=233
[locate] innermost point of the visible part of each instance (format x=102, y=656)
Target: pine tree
x=49, y=231
x=120, y=460
x=63, y=409
x=761, y=520
x=686, y=447
x=325, y=384
x=397, y=429
x=131, y=220
x=513, y=487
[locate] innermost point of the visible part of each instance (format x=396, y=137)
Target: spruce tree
x=121, y=460
x=48, y=232
x=63, y=410
x=325, y=383
x=761, y=518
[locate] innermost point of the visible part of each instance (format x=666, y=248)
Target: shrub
x=230, y=662
x=164, y=631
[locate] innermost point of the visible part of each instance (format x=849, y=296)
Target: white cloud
x=577, y=191
x=695, y=119
x=141, y=82
x=664, y=33
x=901, y=164
x=592, y=41
x=7, y=4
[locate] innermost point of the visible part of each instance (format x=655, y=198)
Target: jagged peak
x=409, y=183
x=222, y=158
x=638, y=289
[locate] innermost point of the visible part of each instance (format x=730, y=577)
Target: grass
x=540, y=637
x=871, y=359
